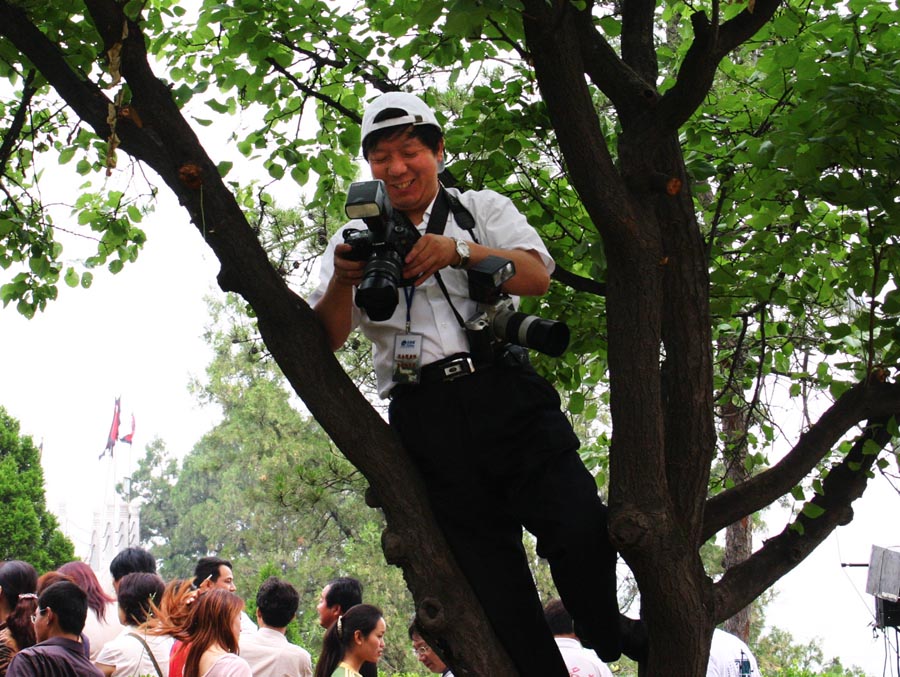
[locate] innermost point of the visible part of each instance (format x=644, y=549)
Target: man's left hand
x=428, y=255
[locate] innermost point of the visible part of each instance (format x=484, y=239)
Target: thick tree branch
x=552, y=39
x=695, y=77
x=845, y=483
x=638, y=38
x=872, y=400
x=86, y=99
x=629, y=92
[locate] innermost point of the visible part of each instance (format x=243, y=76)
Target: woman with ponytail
x=356, y=638
x=18, y=601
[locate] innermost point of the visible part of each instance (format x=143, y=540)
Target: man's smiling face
x=409, y=169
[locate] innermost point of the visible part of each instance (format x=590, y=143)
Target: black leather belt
x=448, y=369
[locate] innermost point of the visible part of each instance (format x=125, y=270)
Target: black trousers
x=496, y=454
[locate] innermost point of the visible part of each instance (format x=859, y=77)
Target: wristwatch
x=462, y=249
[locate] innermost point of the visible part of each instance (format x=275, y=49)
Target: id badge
x=407, y=358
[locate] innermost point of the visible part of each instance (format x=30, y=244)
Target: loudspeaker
x=887, y=614
x=884, y=582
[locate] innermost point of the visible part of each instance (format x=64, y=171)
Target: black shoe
x=635, y=638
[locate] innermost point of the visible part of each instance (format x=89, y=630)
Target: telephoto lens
x=547, y=336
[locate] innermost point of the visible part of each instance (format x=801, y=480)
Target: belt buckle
x=457, y=368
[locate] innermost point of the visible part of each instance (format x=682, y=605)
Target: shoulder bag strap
x=149, y=652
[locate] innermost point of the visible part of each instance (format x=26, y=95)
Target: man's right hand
x=346, y=272
x=334, y=308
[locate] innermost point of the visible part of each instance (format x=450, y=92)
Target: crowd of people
x=64, y=623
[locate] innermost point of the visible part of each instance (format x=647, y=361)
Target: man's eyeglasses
x=421, y=650
x=40, y=612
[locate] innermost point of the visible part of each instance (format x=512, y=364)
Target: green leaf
x=813, y=511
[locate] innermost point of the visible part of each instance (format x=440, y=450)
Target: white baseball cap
x=416, y=112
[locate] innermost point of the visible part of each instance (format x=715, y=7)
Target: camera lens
x=377, y=292
x=547, y=336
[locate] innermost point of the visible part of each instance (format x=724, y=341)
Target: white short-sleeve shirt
x=498, y=224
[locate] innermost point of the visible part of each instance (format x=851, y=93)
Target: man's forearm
x=334, y=312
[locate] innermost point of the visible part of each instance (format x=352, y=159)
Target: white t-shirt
x=100, y=632
x=730, y=657
x=581, y=662
x=498, y=224
x=129, y=656
x=270, y=655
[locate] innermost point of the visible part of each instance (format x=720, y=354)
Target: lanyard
x=437, y=222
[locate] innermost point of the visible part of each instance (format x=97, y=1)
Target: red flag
x=113, y=431
x=129, y=438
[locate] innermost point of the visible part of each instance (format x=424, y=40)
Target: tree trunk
x=739, y=535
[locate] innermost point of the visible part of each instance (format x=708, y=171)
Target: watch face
x=462, y=248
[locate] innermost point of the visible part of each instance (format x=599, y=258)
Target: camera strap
x=444, y=203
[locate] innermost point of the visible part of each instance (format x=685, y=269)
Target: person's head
x=276, y=603
x=214, y=572
x=62, y=609
x=16, y=578
x=51, y=577
x=337, y=597
x=129, y=561
x=215, y=620
x=84, y=576
x=558, y=619
x=136, y=592
x=404, y=146
x=18, y=601
x=356, y=637
x=425, y=653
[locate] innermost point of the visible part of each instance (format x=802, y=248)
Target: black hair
x=558, y=618
x=428, y=134
x=136, y=591
x=362, y=618
x=69, y=602
x=18, y=581
x=277, y=602
x=132, y=560
x=208, y=567
x=345, y=591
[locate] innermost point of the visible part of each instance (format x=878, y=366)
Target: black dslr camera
x=497, y=322
x=383, y=247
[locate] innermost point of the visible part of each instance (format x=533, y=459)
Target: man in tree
x=486, y=432
x=58, y=622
